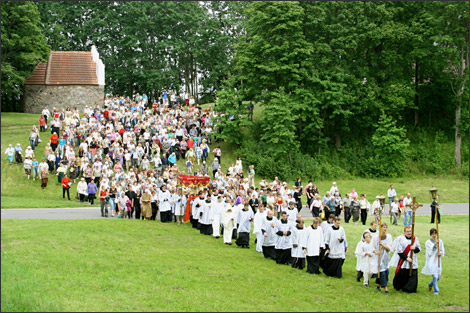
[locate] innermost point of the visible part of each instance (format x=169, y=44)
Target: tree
x=453, y=42
x=390, y=147
x=23, y=46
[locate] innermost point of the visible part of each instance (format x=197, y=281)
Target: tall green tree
x=23, y=46
x=452, y=41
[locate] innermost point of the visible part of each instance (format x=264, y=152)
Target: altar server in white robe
x=314, y=241
x=205, y=216
x=228, y=221
x=175, y=203
x=196, y=206
x=299, y=237
x=164, y=198
x=257, y=223
x=325, y=226
x=268, y=228
x=236, y=208
x=374, y=233
x=386, y=243
x=364, y=253
x=283, y=244
x=291, y=212
x=217, y=209
x=244, y=218
x=432, y=266
x=336, y=247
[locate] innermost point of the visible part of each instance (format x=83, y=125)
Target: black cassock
x=403, y=280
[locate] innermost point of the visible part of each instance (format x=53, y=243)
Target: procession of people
x=126, y=159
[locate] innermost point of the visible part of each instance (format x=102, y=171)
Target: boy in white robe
x=291, y=212
x=196, y=206
x=244, y=218
x=228, y=221
x=269, y=235
x=164, y=197
x=374, y=233
x=257, y=223
x=283, y=246
x=364, y=252
x=175, y=202
x=432, y=266
x=313, y=244
x=205, y=216
x=299, y=237
x=385, y=241
x=325, y=226
x=216, y=215
x=336, y=247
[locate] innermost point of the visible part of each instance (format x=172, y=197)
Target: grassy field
x=18, y=192
x=129, y=265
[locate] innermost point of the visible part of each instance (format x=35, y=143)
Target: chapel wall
x=36, y=97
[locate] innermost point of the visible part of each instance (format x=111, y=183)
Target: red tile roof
x=65, y=68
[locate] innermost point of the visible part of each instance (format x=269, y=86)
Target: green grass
x=18, y=192
x=129, y=265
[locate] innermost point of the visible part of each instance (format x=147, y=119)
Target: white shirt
x=406, y=201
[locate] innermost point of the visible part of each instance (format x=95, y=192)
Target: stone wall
x=36, y=97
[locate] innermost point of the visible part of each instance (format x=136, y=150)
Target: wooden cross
x=414, y=206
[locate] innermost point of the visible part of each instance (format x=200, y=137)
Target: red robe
x=188, y=207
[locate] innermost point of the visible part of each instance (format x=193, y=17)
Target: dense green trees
x=23, y=46
x=349, y=72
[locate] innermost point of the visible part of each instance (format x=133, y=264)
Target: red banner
x=193, y=181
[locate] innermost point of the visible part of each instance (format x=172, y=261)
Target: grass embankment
x=129, y=265
x=18, y=192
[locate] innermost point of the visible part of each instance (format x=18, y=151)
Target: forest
x=370, y=89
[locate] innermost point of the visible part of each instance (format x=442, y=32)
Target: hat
x=377, y=197
x=334, y=183
x=284, y=183
x=29, y=147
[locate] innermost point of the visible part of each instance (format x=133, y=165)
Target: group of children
x=373, y=259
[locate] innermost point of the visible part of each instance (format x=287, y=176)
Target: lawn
x=18, y=192
x=131, y=265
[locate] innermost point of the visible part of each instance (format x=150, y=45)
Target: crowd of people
x=126, y=158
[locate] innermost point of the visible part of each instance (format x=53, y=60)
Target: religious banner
x=193, y=181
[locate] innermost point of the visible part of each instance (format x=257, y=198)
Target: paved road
x=94, y=213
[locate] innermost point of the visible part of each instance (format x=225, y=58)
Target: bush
x=303, y=165
x=433, y=155
x=390, y=149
